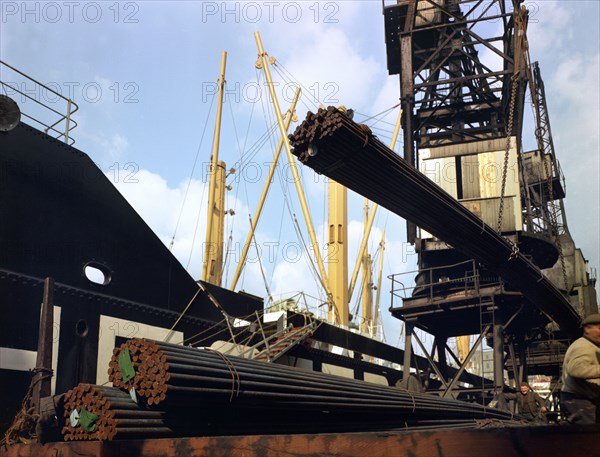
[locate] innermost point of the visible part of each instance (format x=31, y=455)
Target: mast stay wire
x=277, y=245
x=289, y=78
x=260, y=265
x=267, y=136
x=224, y=268
x=191, y=177
x=258, y=144
x=380, y=117
x=267, y=114
x=199, y=212
x=375, y=116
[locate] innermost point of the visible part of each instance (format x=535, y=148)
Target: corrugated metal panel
x=442, y=172
x=487, y=209
x=470, y=176
x=481, y=169
x=473, y=147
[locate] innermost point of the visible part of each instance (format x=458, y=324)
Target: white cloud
x=160, y=205
x=575, y=109
x=331, y=69
x=115, y=146
x=547, y=28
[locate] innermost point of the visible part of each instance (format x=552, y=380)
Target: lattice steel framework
x=456, y=60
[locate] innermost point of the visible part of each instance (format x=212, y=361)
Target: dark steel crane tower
x=464, y=71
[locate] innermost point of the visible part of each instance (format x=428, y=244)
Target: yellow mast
x=212, y=266
x=367, y=290
x=463, y=346
x=337, y=251
x=296, y=176
x=379, y=277
x=261, y=202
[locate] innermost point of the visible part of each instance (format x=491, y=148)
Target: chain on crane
x=509, y=128
x=520, y=18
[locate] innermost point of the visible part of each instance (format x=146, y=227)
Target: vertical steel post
x=498, y=335
x=68, y=121
x=43, y=363
x=409, y=325
x=440, y=343
x=407, y=92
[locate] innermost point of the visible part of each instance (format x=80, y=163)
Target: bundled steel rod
x=181, y=377
x=105, y=413
x=332, y=144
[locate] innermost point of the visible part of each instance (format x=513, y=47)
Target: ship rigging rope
x=310, y=261
x=213, y=300
x=289, y=78
x=198, y=214
x=287, y=204
x=240, y=150
x=194, y=340
x=278, y=244
x=358, y=297
x=260, y=265
x=237, y=189
x=23, y=427
x=375, y=116
x=187, y=188
x=225, y=269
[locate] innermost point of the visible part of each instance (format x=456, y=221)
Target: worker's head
x=591, y=327
x=524, y=388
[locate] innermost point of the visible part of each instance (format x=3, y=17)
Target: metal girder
x=435, y=49
x=465, y=362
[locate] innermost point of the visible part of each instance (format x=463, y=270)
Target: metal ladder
x=487, y=319
x=281, y=342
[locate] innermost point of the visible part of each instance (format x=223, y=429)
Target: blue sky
x=144, y=73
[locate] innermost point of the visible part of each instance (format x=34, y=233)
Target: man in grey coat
x=580, y=393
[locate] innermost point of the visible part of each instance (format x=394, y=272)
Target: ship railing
x=302, y=303
x=403, y=288
x=60, y=123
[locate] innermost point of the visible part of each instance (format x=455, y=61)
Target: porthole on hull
x=97, y=273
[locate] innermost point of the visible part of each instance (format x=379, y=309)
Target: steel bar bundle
x=332, y=144
x=185, y=378
x=115, y=415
